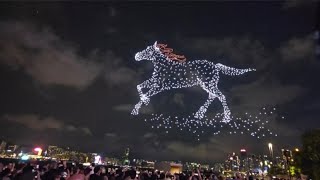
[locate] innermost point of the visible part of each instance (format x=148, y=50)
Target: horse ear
x=155, y=46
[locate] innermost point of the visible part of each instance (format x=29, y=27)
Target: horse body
x=169, y=74
x=172, y=75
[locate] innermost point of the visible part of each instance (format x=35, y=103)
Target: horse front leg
x=149, y=83
x=136, y=108
x=153, y=91
x=145, y=99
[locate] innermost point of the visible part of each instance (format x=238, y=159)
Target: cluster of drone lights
x=172, y=71
x=255, y=125
x=169, y=53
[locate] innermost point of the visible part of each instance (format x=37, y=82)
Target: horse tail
x=232, y=71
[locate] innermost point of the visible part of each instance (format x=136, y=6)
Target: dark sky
x=68, y=75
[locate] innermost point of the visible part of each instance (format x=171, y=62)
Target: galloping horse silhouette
x=171, y=71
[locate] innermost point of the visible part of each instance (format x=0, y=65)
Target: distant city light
x=37, y=149
x=25, y=157
x=97, y=159
x=296, y=149
x=242, y=150
x=270, y=149
x=87, y=164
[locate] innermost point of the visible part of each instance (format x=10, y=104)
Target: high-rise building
x=126, y=157
x=233, y=162
x=53, y=151
x=243, y=160
x=3, y=146
x=218, y=167
x=287, y=157
x=12, y=148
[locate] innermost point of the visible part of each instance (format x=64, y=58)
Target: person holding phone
x=97, y=174
x=196, y=175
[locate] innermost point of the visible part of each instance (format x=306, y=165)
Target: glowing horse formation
x=171, y=71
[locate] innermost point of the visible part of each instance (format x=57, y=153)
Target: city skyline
x=44, y=152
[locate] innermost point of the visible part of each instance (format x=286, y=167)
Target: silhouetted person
x=97, y=174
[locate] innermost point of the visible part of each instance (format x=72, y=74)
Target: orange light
x=296, y=149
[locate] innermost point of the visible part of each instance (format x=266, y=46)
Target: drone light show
x=172, y=71
x=253, y=124
x=174, y=82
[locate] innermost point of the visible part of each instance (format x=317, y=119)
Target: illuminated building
x=147, y=164
x=3, y=146
x=190, y=166
x=287, y=157
x=295, y=166
x=38, y=150
x=12, y=148
x=204, y=166
x=243, y=160
x=168, y=167
x=126, y=157
x=53, y=151
x=270, y=147
x=233, y=162
x=97, y=158
x=144, y=163
x=112, y=161
x=218, y=167
x=250, y=162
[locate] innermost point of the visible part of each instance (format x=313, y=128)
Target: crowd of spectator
x=66, y=171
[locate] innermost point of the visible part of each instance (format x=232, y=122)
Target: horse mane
x=169, y=53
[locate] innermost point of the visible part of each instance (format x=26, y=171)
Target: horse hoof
x=134, y=112
x=226, y=120
x=198, y=116
x=145, y=99
x=146, y=102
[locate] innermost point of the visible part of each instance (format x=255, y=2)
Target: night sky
x=68, y=74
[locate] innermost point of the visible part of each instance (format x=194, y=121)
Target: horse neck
x=160, y=60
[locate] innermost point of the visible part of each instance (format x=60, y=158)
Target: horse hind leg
x=227, y=112
x=203, y=109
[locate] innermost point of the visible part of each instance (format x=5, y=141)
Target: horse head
x=150, y=53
